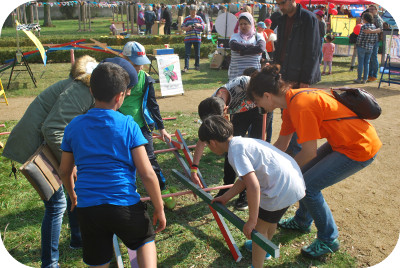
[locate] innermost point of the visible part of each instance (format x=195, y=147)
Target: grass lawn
x=191, y=238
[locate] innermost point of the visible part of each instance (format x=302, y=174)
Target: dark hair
x=267, y=80
x=211, y=106
x=249, y=71
x=215, y=127
x=244, y=18
x=330, y=37
x=107, y=80
x=367, y=17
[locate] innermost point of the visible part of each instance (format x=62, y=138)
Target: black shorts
x=271, y=216
x=98, y=224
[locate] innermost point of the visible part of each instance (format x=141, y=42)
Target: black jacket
x=167, y=16
x=303, y=47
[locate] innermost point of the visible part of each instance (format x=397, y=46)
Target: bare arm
x=151, y=184
x=67, y=176
x=308, y=152
x=282, y=142
x=253, y=200
x=237, y=188
x=374, y=31
x=198, y=152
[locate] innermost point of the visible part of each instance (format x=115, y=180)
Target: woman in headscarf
x=246, y=47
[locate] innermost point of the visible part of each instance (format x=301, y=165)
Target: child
x=107, y=148
x=270, y=38
x=272, y=179
x=260, y=29
x=143, y=107
x=231, y=99
x=328, y=49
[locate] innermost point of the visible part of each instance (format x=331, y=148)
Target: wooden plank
x=258, y=238
x=237, y=255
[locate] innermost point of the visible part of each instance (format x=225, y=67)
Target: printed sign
x=169, y=71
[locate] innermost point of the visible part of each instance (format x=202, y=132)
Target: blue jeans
x=326, y=169
x=188, y=48
x=364, y=56
x=152, y=157
x=51, y=228
x=373, y=63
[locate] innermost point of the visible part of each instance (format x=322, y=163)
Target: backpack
x=358, y=100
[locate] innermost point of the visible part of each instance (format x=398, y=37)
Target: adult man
x=167, y=18
x=297, y=50
x=374, y=64
x=194, y=26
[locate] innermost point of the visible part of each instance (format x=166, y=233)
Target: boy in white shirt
x=272, y=179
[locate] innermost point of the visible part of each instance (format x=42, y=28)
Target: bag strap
x=311, y=90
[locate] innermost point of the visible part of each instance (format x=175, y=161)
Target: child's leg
x=267, y=229
x=147, y=255
x=325, y=63
x=330, y=66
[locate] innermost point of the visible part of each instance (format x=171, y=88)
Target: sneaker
x=371, y=79
x=241, y=202
x=184, y=70
x=358, y=81
x=319, y=248
x=169, y=202
x=291, y=224
x=248, y=245
x=364, y=81
x=323, y=73
x=197, y=68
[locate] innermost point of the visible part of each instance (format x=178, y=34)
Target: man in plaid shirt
x=365, y=44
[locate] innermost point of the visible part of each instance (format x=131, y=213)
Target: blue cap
x=136, y=53
x=128, y=68
x=262, y=25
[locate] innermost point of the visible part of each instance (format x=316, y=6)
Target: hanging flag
x=34, y=39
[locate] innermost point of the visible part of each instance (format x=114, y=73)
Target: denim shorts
x=271, y=216
x=98, y=224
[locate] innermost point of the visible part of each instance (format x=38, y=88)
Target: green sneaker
x=291, y=224
x=169, y=202
x=319, y=248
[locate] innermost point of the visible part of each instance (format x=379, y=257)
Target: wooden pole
x=257, y=238
x=127, y=17
x=37, y=13
x=84, y=16
x=90, y=18
x=79, y=17
x=132, y=16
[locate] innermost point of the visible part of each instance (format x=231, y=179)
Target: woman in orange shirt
x=352, y=144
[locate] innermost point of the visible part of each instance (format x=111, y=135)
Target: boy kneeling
x=107, y=148
x=272, y=178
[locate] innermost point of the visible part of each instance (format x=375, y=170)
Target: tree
x=47, y=17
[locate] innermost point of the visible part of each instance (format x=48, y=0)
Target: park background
x=366, y=206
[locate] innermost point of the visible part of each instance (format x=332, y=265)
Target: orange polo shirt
x=305, y=115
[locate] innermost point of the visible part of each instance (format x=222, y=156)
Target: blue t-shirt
x=101, y=141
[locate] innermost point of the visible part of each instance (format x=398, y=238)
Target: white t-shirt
x=280, y=178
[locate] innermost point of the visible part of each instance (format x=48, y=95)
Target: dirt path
x=365, y=206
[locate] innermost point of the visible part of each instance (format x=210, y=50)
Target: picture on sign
x=170, y=74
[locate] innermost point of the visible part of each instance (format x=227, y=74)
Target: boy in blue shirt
x=107, y=148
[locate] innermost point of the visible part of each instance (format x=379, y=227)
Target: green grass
x=191, y=238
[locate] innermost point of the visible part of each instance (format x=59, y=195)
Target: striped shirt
x=367, y=41
x=193, y=35
x=240, y=63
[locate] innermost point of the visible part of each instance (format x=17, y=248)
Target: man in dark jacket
x=167, y=18
x=297, y=50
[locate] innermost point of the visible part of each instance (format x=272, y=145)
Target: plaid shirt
x=367, y=41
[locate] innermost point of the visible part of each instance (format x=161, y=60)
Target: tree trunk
x=47, y=16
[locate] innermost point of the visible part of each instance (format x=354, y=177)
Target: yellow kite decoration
x=26, y=29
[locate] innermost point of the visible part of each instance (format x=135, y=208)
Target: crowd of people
x=99, y=123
